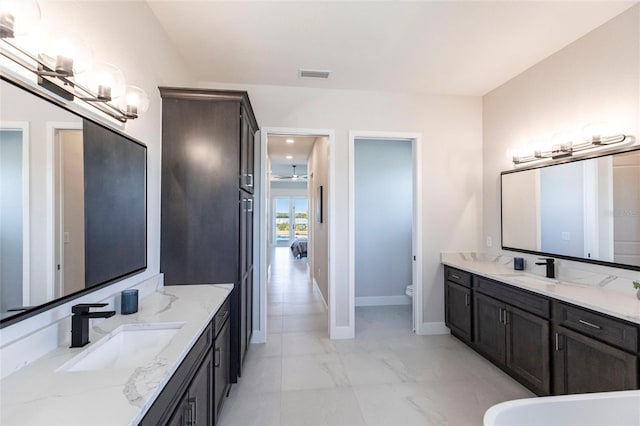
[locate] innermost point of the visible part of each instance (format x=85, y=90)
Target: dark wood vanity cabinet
x=195, y=393
x=457, y=297
x=207, y=199
x=593, y=352
x=552, y=347
x=512, y=337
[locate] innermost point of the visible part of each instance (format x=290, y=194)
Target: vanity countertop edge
x=37, y=394
x=610, y=302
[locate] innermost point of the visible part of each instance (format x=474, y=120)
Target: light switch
x=489, y=242
x=66, y=238
x=566, y=236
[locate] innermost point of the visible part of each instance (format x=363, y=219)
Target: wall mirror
x=586, y=210
x=73, y=204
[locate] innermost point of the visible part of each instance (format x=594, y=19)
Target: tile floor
x=385, y=376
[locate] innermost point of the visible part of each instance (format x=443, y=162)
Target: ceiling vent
x=318, y=74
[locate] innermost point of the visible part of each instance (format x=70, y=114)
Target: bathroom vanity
x=167, y=362
x=555, y=337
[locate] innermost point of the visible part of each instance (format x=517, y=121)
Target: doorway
x=297, y=218
x=385, y=226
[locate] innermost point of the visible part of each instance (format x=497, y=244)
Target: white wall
x=383, y=192
x=452, y=164
x=318, y=169
x=596, y=78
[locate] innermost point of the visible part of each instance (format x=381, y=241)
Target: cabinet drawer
x=457, y=276
x=537, y=305
x=592, y=324
x=221, y=317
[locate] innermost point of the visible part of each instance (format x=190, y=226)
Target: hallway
x=386, y=376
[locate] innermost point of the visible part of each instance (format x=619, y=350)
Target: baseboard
x=432, y=328
x=258, y=336
x=315, y=285
x=342, y=333
x=383, y=300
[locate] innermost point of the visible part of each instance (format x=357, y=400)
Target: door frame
x=417, y=265
x=52, y=224
x=23, y=126
x=261, y=240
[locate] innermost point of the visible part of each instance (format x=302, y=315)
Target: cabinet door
x=458, y=309
x=489, y=330
x=199, y=397
x=180, y=417
x=583, y=364
x=528, y=353
x=221, y=369
x=243, y=318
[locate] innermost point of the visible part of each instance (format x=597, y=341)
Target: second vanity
x=177, y=374
x=555, y=337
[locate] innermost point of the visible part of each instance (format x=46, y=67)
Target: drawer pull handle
x=557, y=342
x=589, y=324
x=455, y=277
x=467, y=298
x=217, y=358
x=506, y=318
x=500, y=315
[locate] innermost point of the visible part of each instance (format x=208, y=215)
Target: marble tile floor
x=385, y=376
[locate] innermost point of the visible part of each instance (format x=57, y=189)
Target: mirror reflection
x=72, y=201
x=587, y=209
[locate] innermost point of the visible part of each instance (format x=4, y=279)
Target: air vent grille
x=321, y=74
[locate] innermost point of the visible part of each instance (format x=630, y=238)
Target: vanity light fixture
x=566, y=149
x=58, y=67
x=289, y=157
x=289, y=141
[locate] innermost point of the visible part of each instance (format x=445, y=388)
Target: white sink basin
x=531, y=279
x=128, y=346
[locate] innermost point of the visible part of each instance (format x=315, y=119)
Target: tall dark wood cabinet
x=207, y=199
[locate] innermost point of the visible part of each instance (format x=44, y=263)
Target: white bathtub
x=601, y=409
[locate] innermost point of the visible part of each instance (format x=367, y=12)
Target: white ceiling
x=450, y=47
x=278, y=150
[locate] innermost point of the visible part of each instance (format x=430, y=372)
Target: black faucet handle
x=84, y=307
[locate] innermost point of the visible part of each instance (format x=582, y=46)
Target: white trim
x=342, y=333
x=52, y=144
x=317, y=288
x=334, y=331
x=433, y=328
x=416, y=139
x=23, y=126
x=383, y=300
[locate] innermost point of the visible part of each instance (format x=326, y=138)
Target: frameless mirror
x=585, y=210
x=72, y=204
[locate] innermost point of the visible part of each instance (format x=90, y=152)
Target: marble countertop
x=588, y=291
x=38, y=395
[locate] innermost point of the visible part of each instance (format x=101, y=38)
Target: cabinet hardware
x=589, y=324
x=506, y=317
x=217, y=358
x=455, y=277
x=557, y=342
x=250, y=205
x=467, y=299
x=192, y=419
x=500, y=315
x=250, y=180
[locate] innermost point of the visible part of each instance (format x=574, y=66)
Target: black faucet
x=80, y=322
x=551, y=267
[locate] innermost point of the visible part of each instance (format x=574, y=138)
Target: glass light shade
x=105, y=80
x=18, y=17
x=67, y=54
x=594, y=132
x=135, y=101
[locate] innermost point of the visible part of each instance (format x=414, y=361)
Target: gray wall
x=10, y=219
x=562, y=209
x=318, y=250
x=383, y=217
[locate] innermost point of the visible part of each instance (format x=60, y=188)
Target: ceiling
x=278, y=150
x=446, y=47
